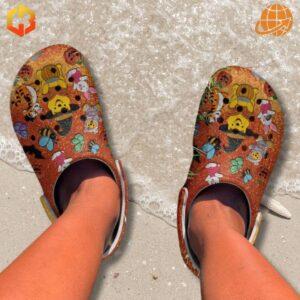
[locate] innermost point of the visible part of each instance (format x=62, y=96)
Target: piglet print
x=80, y=83
x=213, y=173
x=266, y=114
x=61, y=161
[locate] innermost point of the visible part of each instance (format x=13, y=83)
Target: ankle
x=88, y=190
x=77, y=178
x=210, y=219
x=97, y=200
x=95, y=193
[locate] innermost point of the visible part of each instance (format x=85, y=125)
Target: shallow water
x=152, y=61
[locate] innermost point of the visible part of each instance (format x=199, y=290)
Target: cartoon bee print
x=93, y=147
x=247, y=176
x=211, y=146
x=47, y=139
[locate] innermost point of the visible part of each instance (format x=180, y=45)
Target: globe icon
x=276, y=19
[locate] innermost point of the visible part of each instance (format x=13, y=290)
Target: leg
x=231, y=268
x=63, y=262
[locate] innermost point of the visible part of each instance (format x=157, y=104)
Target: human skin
x=63, y=262
x=230, y=267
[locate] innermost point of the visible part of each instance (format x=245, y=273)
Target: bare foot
x=219, y=208
x=84, y=187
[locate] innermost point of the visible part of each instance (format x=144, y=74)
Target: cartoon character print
x=243, y=95
x=266, y=114
x=238, y=124
x=61, y=161
x=214, y=100
x=72, y=56
x=93, y=147
x=25, y=72
x=47, y=139
x=258, y=150
x=213, y=176
x=27, y=94
x=236, y=130
x=91, y=118
x=51, y=76
x=80, y=83
x=61, y=110
x=247, y=177
x=216, y=114
x=245, y=113
x=210, y=148
x=51, y=132
x=223, y=79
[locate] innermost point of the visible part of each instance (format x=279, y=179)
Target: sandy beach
x=151, y=61
x=148, y=265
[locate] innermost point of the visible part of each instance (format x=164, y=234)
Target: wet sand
x=152, y=61
x=148, y=265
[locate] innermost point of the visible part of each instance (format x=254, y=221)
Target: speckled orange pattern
x=237, y=139
x=57, y=116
